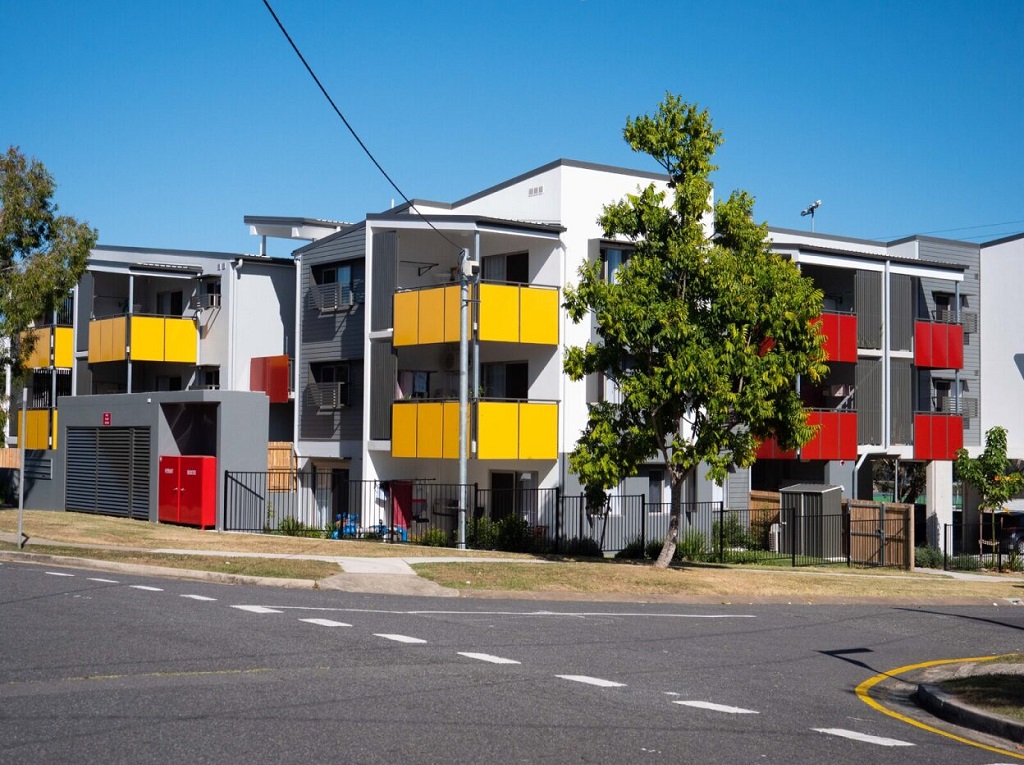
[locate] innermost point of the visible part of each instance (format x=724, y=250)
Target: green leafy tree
x=704, y=331
x=990, y=475
x=42, y=253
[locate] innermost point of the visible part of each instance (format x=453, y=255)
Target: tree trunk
x=668, y=550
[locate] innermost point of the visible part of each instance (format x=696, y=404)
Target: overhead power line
x=961, y=228
x=351, y=130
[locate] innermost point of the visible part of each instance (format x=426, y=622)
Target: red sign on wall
x=106, y=419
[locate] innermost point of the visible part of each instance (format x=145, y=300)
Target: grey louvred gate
x=108, y=471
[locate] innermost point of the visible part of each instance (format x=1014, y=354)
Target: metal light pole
x=22, y=539
x=465, y=266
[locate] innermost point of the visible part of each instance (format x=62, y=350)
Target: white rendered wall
x=262, y=306
x=1002, y=343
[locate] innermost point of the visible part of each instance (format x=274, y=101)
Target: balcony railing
x=508, y=313
x=835, y=439
x=505, y=430
x=142, y=338
x=271, y=375
x=840, y=331
x=332, y=297
x=937, y=436
x=329, y=396
x=53, y=347
x=938, y=345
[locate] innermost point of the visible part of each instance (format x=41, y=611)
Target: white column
x=939, y=478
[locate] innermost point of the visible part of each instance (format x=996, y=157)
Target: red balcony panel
x=938, y=346
x=937, y=436
x=836, y=438
x=769, y=450
x=840, y=331
x=269, y=374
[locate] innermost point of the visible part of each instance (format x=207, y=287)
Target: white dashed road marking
x=592, y=681
x=852, y=734
x=198, y=597
x=717, y=707
x=487, y=657
x=325, y=622
x=102, y=581
x=144, y=587
x=399, y=638
x=258, y=609
x=57, y=573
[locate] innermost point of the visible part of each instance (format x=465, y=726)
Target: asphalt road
x=100, y=668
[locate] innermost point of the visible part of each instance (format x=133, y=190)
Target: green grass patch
x=1001, y=694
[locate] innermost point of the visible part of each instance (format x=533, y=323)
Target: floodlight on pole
x=810, y=211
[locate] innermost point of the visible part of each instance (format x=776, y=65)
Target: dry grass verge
x=714, y=582
x=86, y=529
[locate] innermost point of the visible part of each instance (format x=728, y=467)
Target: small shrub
x=582, y=546
x=928, y=557
x=635, y=550
x=434, y=538
x=514, y=535
x=693, y=547
x=293, y=527
x=482, y=534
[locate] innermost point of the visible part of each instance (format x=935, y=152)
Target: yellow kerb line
x=863, y=693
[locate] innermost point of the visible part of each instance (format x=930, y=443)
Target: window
x=329, y=385
x=614, y=258
x=332, y=287
x=506, y=380
x=170, y=304
x=510, y=268
x=209, y=378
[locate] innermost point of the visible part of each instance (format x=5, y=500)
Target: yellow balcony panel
x=452, y=307
x=39, y=358
x=431, y=316
x=147, y=338
x=54, y=430
x=107, y=339
x=406, y=321
x=64, y=347
x=538, y=431
x=403, y=430
x=538, y=311
x=499, y=313
x=37, y=428
x=497, y=430
x=429, y=424
x=450, y=432
x=180, y=336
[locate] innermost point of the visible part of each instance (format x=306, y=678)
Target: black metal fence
x=525, y=519
x=979, y=546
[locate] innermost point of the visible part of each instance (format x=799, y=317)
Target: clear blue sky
x=165, y=123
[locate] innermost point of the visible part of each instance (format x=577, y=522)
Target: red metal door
x=168, y=489
x=198, y=495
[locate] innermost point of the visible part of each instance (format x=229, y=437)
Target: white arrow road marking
x=717, y=707
x=488, y=657
x=257, y=609
x=879, y=740
x=144, y=587
x=198, y=597
x=325, y=622
x=57, y=573
x=399, y=638
x=104, y=581
x=592, y=681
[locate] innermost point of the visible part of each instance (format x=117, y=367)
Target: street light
x=810, y=211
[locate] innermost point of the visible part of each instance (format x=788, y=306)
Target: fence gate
x=880, y=534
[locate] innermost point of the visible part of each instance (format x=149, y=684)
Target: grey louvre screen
x=385, y=279
x=867, y=287
x=901, y=312
x=108, y=471
x=869, y=401
x=383, y=365
x=902, y=401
